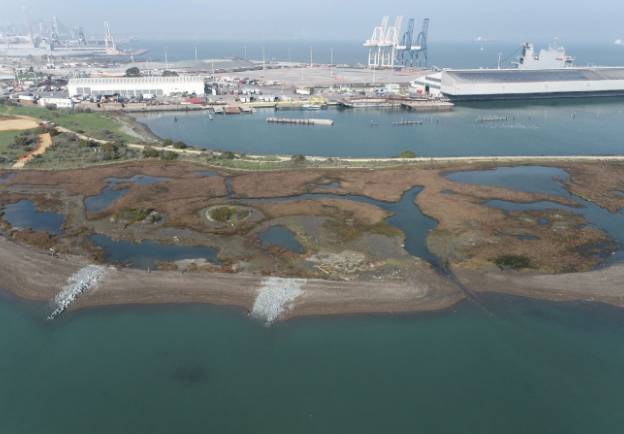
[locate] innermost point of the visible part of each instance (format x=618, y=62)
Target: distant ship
x=553, y=57
x=54, y=45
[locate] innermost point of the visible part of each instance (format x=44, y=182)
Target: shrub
x=298, y=159
x=180, y=145
x=228, y=155
x=514, y=262
x=169, y=156
x=222, y=214
x=407, y=154
x=167, y=142
x=149, y=152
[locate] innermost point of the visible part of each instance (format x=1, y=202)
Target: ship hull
x=534, y=96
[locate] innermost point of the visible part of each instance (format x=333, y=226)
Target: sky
x=332, y=20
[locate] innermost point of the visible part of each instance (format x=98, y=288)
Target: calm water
x=111, y=193
x=146, y=253
x=405, y=216
x=547, y=128
x=24, y=215
x=282, y=237
x=529, y=367
x=548, y=180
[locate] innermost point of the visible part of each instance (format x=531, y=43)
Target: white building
x=136, y=86
x=487, y=84
x=427, y=85
x=58, y=102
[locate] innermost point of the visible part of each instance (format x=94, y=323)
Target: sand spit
x=605, y=285
x=276, y=296
x=37, y=276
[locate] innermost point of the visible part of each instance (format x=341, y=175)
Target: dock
x=428, y=105
x=299, y=121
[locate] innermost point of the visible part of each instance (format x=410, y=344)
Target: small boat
x=311, y=106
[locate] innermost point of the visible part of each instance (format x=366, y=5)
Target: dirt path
x=18, y=123
x=44, y=141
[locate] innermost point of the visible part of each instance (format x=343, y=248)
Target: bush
x=222, y=214
x=180, y=145
x=298, y=159
x=168, y=156
x=407, y=154
x=514, y=262
x=167, y=142
x=228, y=155
x=149, y=152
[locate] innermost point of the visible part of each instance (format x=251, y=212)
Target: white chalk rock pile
x=80, y=282
x=276, y=296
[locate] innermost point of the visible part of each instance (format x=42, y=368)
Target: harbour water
x=578, y=127
x=525, y=367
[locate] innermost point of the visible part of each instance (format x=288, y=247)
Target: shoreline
x=36, y=276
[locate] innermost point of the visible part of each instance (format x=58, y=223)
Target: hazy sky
x=452, y=20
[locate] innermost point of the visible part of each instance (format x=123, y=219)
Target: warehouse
x=489, y=84
x=136, y=86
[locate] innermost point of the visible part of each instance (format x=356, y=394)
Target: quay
x=428, y=105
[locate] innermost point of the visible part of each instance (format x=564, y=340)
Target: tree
x=167, y=142
x=407, y=154
x=133, y=72
x=298, y=159
x=180, y=145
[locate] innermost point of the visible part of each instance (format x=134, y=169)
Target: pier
x=428, y=105
x=295, y=121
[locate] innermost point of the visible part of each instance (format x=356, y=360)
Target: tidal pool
x=146, y=253
x=111, y=194
x=406, y=216
x=545, y=180
x=24, y=215
x=280, y=236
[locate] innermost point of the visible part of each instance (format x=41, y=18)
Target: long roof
x=531, y=76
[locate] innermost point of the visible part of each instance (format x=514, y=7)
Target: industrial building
x=489, y=84
x=136, y=86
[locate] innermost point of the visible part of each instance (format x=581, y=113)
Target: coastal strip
x=36, y=276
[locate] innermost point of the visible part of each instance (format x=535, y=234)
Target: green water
x=524, y=367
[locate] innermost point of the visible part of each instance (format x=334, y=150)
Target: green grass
x=9, y=154
x=94, y=124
